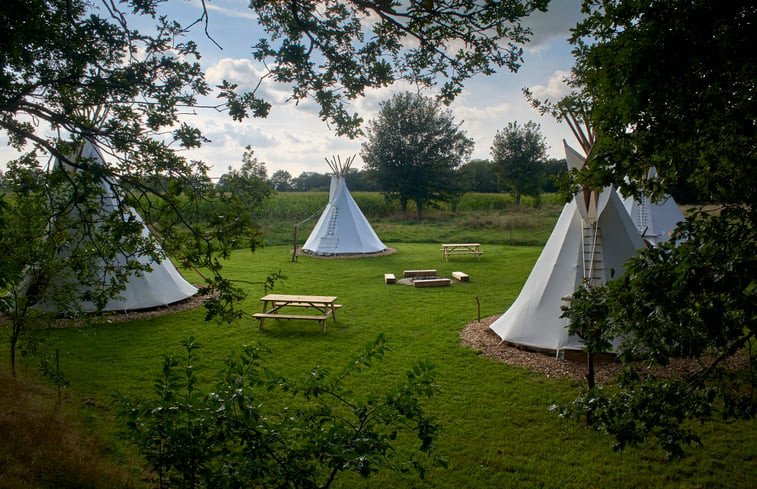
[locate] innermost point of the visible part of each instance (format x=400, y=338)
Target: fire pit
x=423, y=278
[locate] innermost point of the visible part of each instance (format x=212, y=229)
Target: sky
x=293, y=138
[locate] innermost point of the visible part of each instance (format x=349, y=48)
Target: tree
x=554, y=170
x=361, y=180
x=308, y=180
x=281, y=181
x=242, y=192
x=667, y=85
x=251, y=169
x=414, y=146
x=78, y=245
x=478, y=176
x=225, y=438
x=517, y=154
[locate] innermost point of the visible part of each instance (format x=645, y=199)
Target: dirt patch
x=196, y=300
x=478, y=336
x=387, y=251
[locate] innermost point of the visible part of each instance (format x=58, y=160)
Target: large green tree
x=518, y=158
x=670, y=85
x=414, y=145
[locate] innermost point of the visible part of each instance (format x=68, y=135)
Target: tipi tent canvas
x=655, y=221
x=342, y=228
x=591, y=241
x=161, y=286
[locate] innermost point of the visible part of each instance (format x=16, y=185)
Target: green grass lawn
x=497, y=429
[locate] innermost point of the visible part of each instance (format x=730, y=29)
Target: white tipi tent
x=654, y=220
x=342, y=228
x=591, y=241
x=162, y=285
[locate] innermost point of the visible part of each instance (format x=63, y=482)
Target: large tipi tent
x=161, y=286
x=342, y=229
x=591, y=241
x=655, y=220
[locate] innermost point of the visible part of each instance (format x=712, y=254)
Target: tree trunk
x=14, y=340
x=590, y=371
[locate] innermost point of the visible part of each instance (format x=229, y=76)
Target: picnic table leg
x=265, y=309
x=333, y=316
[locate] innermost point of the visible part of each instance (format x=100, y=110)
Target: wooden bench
x=303, y=304
x=419, y=273
x=389, y=278
x=432, y=282
x=264, y=315
x=448, y=249
x=461, y=276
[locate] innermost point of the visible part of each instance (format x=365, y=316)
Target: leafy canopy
x=414, y=145
x=334, y=50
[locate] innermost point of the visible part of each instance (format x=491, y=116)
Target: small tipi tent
x=342, y=228
x=591, y=241
x=161, y=286
x=654, y=220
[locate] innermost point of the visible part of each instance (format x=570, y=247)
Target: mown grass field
x=497, y=429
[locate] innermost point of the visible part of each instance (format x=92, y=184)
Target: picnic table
x=461, y=249
x=325, y=305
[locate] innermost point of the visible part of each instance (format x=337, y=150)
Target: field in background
x=485, y=218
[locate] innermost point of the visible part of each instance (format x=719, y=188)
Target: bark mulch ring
x=478, y=336
x=196, y=300
x=387, y=251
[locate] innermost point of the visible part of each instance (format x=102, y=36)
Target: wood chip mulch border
x=478, y=336
x=387, y=251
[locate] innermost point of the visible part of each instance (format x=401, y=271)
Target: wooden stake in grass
x=294, y=244
x=478, y=303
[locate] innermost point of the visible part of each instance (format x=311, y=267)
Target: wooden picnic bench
x=418, y=273
x=461, y=249
x=325, y=305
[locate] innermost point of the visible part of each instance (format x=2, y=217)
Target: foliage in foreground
x=228, y=437
x=694, y=298
x=665, y=85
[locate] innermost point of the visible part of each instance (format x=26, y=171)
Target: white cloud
x=248, y=77
x=235, y=9
x=555, y=88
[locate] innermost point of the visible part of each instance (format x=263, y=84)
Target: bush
x=225, y=438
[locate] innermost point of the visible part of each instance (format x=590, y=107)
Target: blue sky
x=293, y=138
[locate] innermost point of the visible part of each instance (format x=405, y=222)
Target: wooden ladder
x=592, y=251
x=329, y=242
